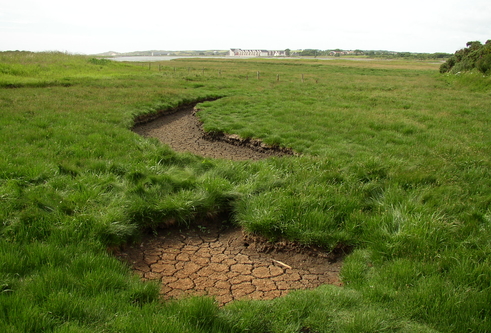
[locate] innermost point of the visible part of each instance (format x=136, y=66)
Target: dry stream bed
x=220, y=260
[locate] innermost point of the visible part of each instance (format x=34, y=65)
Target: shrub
x=475, y=55
x=484, y=64
x=99, y=62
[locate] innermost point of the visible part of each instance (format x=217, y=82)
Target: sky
x=96, y=26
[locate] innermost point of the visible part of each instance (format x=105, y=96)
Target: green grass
x=395, y=164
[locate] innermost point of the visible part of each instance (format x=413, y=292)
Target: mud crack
x=227, y=265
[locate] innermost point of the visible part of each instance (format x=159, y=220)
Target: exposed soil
x=217, y=261
x=183, y=132
x=228, y=264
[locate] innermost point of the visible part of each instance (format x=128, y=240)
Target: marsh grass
x=395, y=165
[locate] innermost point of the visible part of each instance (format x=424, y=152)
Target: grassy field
x=394, y=162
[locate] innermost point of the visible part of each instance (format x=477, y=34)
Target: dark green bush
x=476, y=55
x=484, y=64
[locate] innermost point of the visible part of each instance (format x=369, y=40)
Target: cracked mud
x=228, y=265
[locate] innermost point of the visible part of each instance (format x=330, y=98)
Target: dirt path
x=228, y=265
x=182, y=131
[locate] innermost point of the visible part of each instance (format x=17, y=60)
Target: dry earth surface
x=215, y=260
x=228, y=264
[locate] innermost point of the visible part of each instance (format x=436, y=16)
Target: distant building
x=256, y=53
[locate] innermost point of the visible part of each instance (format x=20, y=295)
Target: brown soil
x=211, y=260
x=228, y=264
x=182, y=131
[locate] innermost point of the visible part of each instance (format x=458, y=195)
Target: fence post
x=302, y=77
x=258, y=75
x=277, y=77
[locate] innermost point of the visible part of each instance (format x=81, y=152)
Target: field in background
x=394, y=163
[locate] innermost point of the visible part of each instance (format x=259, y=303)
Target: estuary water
x=158, y=58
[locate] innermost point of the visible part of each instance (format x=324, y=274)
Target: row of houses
x=256, y=53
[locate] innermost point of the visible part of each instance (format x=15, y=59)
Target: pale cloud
x=97, y=26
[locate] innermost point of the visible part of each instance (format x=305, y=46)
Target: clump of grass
x=306, y=311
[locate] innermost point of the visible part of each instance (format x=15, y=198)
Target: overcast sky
x=95, y=26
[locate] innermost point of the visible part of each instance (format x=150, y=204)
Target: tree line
x=371, y=54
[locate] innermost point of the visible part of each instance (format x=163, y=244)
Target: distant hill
x=150, y=53
x=108, y=54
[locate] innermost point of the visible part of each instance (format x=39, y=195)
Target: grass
x=395, y=163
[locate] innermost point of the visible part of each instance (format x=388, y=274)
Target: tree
x=309, y=53
x=287, y=52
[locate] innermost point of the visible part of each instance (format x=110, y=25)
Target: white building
x=256, y=53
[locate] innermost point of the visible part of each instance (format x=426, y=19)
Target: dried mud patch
x=228, y=264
